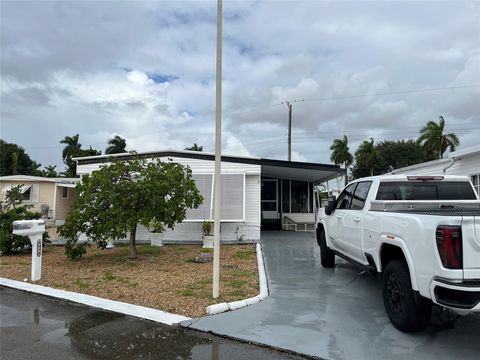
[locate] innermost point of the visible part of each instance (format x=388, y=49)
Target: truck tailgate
x=471, y=247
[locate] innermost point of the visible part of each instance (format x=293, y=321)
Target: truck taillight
x=449, y=244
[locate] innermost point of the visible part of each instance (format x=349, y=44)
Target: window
x=476, y=182
x=232, y=202
x=232, y=197
x=345, y=198
x=204, y=183
x=64, y=193
x=360, y=195
x=299, y=196
x=269, y=195
x=448, y=190
x=286, y=196
x=27, y=194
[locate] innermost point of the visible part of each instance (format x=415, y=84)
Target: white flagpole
x=218, y=151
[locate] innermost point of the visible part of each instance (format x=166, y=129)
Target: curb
x=234, y=305
x=105, y=304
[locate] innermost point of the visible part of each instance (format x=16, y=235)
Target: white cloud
x=146, y=71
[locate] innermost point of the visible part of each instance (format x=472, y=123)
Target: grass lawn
x=165, y=277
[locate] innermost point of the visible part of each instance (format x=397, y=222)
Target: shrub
x=206, y=228
x=74, y=251
x=9, y=243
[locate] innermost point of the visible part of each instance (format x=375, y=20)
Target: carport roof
x=300, y=170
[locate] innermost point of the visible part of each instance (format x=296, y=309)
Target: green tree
x=13, y=197
x=434, y=141
x=116, y=145
x=14, y=160
x=195, y=147
x=69, y=151
x=12, y=210
x=114, y=199
x=74, y=149
x=341, y=154
x=367, y=157
x=398, y=154
x=49, y=171
x=72, y=146
x=9, y=243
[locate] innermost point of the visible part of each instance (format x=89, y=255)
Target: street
x=38, y=327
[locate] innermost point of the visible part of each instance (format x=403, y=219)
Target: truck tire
x=327, y=257
x=404, y=312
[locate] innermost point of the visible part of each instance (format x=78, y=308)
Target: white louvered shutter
x=233, y=187
x=204, y=184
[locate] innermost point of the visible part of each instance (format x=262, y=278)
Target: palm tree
x=72, y=146
x=341, y=154
x=435, y=141
x=50, y=171
x=367, y=155
x=195, y=147
x=117, y=145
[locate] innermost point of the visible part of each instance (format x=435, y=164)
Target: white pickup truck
x=420, y=234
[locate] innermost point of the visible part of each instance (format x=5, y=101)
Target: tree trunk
x=133, y=249
x=371, y=172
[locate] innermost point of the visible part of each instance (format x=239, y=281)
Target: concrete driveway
x=334, y=313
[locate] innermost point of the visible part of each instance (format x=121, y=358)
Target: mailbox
x=28, y=227
x=34, y=229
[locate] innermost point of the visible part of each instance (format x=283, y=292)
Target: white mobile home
x=256, y=193
x=464, y=162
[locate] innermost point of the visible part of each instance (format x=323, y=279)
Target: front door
x=269, y=198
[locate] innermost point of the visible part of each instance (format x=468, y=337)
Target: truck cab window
x=360, y=195
x=345, y=198
x=444, y=190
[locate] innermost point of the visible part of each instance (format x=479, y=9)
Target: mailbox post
x=34, y=229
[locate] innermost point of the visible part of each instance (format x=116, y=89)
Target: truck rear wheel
x=398, y=297
x=327, y=257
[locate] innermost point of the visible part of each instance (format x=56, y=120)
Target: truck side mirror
x=332, y=202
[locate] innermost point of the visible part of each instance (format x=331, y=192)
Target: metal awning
x=295, y=173
x=67, y=185
x=23, y=190
x=296, y=170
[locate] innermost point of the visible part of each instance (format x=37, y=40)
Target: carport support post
x=218, y=154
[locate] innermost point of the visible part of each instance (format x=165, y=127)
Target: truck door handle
x=356, y=219
x=339, y=216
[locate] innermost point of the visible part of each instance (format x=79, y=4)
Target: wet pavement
x=38, y=327
x=335, y=313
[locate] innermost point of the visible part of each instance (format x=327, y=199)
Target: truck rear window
x=444, y=190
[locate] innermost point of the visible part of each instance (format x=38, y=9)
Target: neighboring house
x=57, y=193
x=256, y=193
x=461, y=162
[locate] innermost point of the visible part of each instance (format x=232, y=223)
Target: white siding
x=252, y=199
x=192, y=231
x=197, y=166
x=465, y=166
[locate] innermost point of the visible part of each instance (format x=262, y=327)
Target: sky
x=145, y=70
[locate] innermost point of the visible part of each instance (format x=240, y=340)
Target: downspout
x=452, y=161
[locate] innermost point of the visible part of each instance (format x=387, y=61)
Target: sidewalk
x=332, y=313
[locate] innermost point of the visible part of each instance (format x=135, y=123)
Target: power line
x=279, y=104
x=392, y=93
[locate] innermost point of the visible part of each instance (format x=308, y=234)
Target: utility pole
x=218, y=160
x=289, y=106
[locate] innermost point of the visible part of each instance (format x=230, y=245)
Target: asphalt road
x=38, y=327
